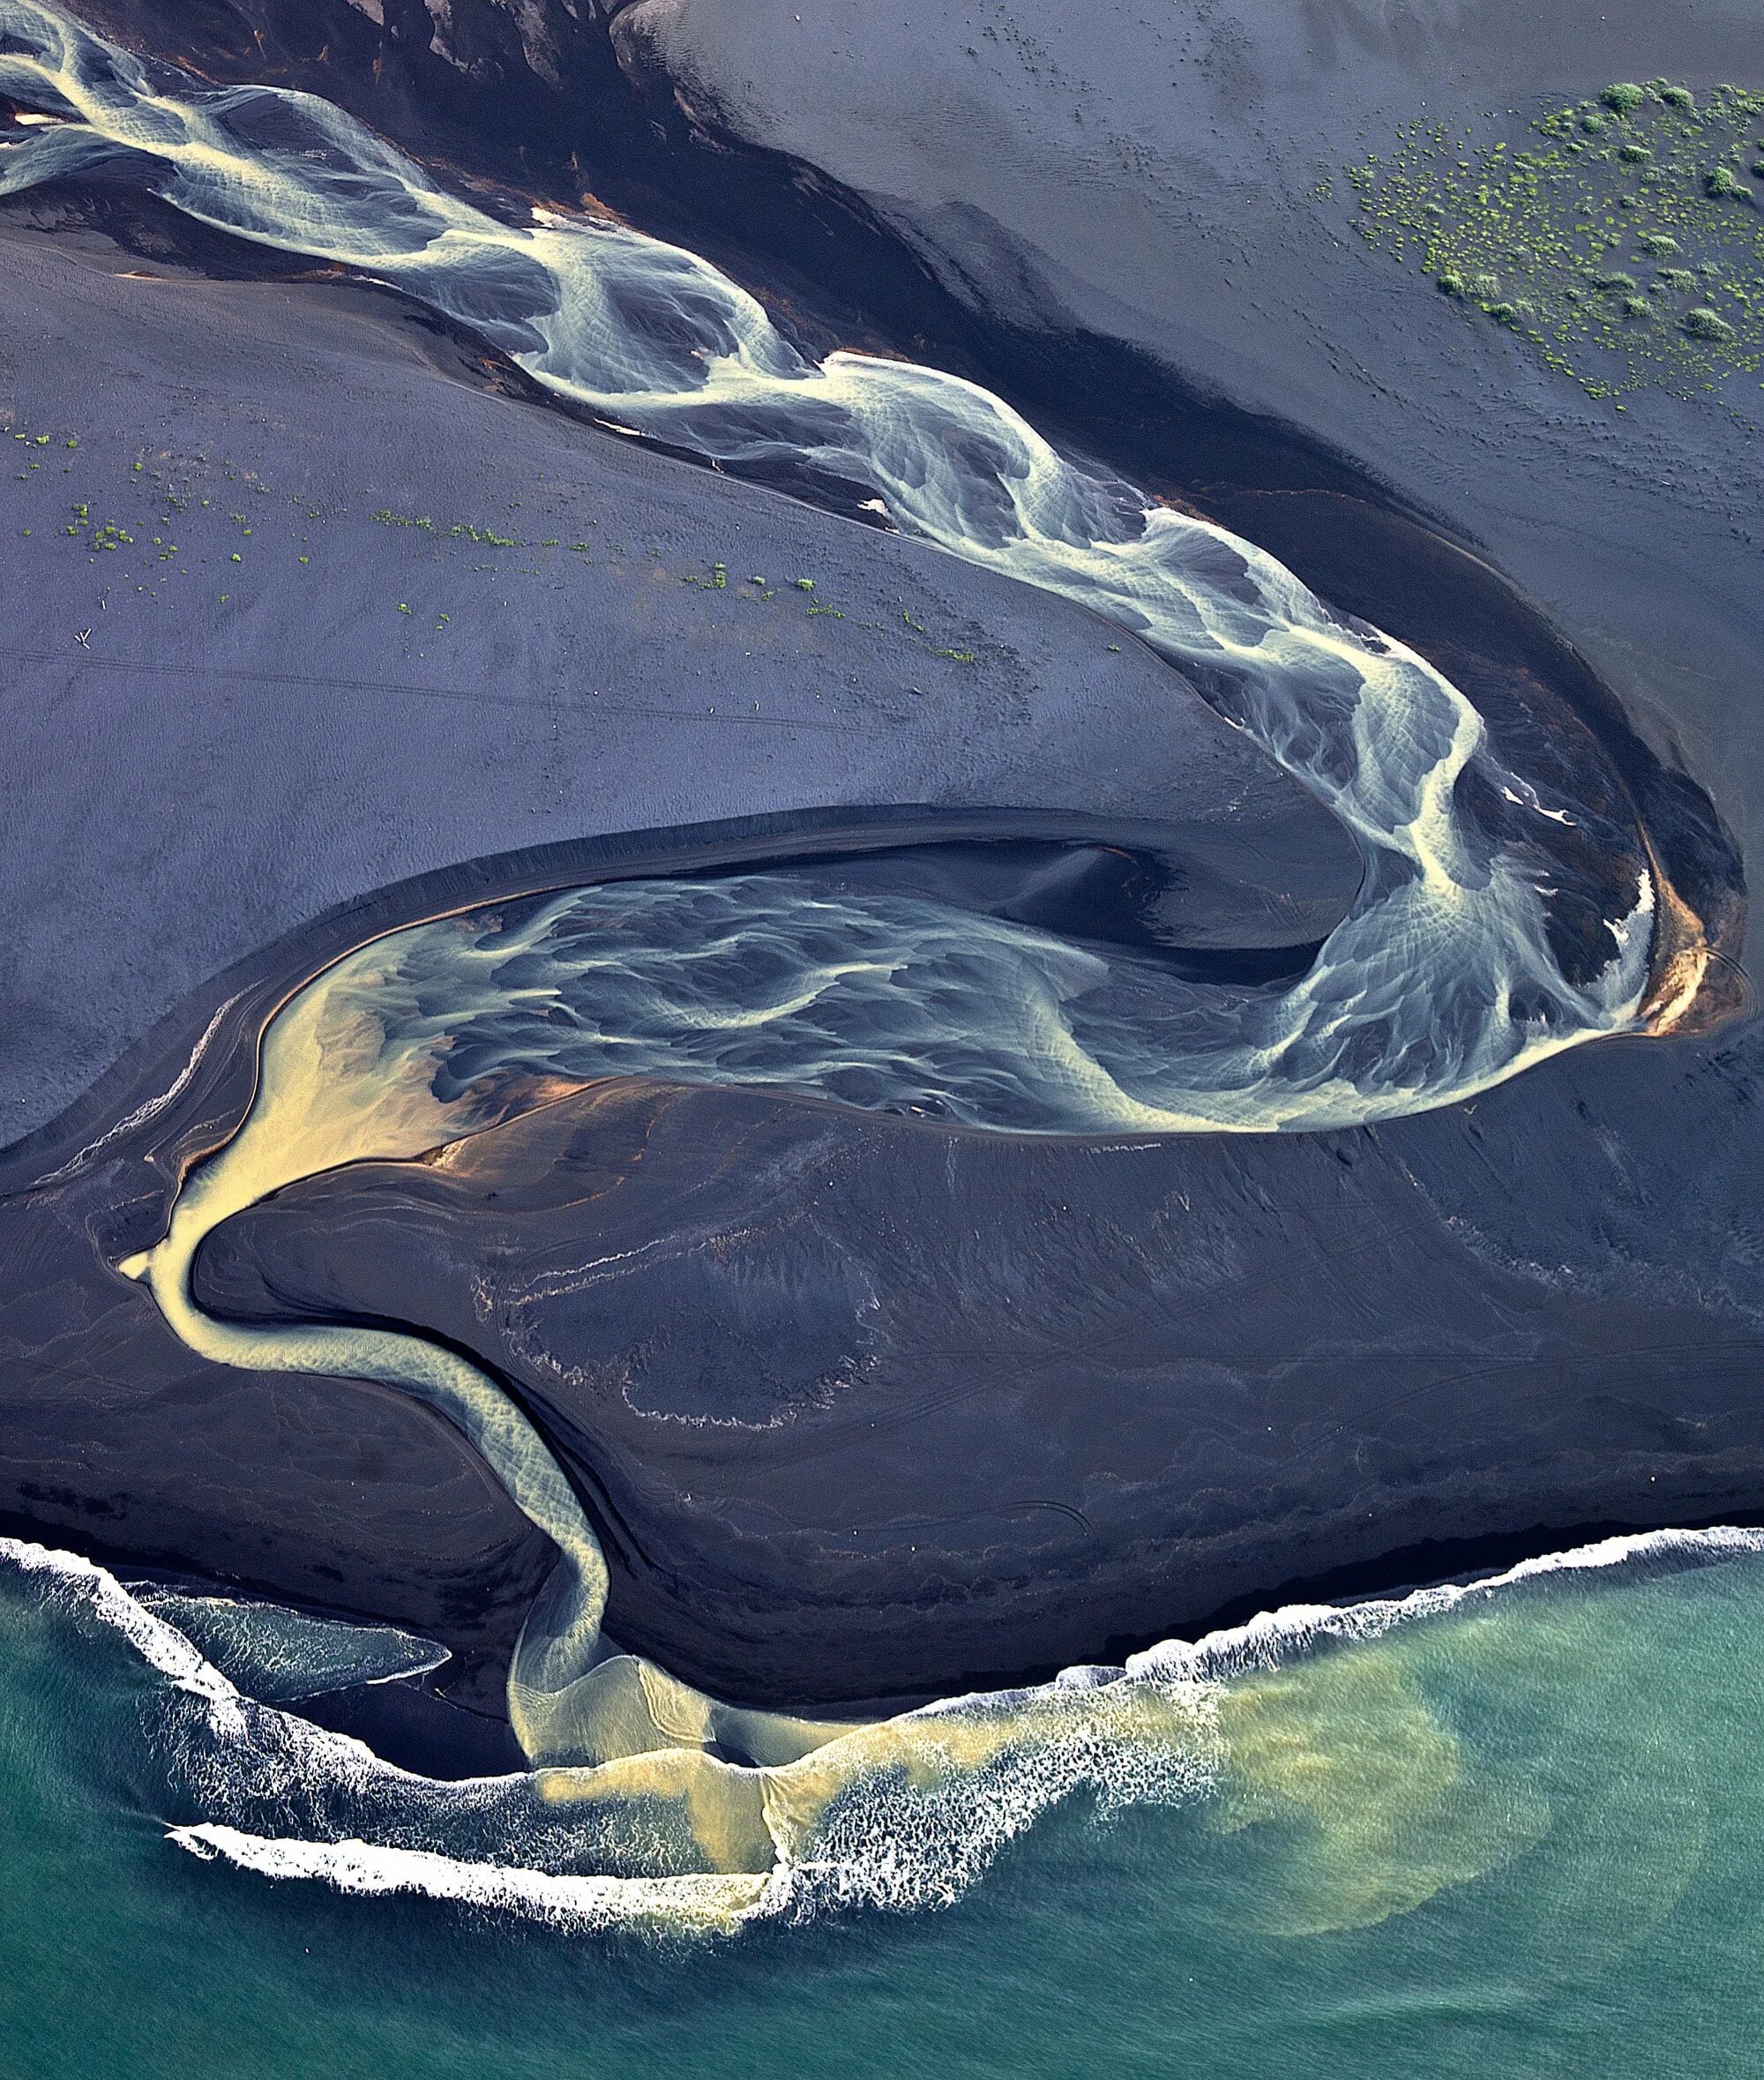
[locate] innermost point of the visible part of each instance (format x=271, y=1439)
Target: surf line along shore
x=1372, y=1032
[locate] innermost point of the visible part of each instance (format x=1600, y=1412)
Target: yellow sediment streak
x=333, y=1088
x=742, y=1797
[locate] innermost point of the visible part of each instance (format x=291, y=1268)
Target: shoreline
x=407, y=1723
x=209, y=1088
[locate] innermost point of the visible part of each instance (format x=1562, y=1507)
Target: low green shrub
x=1704, y=324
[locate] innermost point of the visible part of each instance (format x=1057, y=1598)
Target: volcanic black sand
x=868, y=1405
x=459, y=625
x=1145, y=176
x=879, y=1408
x=865, y=1406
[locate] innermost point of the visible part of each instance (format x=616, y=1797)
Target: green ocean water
x=1520, y=1835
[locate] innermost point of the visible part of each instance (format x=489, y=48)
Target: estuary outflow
x=1312, y=1717
x=1469, y=952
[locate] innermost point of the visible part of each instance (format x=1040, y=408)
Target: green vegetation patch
x=1622, y=235
x=460, y=530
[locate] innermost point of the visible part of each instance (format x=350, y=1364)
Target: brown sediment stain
x=590, y=204
x=1694, y=983
x=1377, y=1803
x=765, y=1816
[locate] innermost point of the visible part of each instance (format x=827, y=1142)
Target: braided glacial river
x=1468, y=955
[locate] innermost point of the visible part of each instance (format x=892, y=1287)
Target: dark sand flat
x=881, y=1408
x=207, y=773
x=868, y=1407
x=1144, y=175
x=864, y=1405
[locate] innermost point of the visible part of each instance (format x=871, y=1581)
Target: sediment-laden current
x=1471, y=951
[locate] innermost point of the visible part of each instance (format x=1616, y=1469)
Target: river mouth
x=836, y=1445
x=1102, y=1002
x=774, y=1345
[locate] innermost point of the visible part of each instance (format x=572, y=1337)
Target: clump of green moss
x=1541, y=226
x=1704, y=324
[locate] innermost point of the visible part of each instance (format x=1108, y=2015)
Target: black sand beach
x=866, y=1407
x=869, y=1407
x=1147, y=178
x=887, y=1409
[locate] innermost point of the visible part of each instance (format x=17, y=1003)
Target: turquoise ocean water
x=1519, y=1835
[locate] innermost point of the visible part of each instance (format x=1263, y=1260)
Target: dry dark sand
x=868, y=1406
x=860, y=1405
x=203, y=776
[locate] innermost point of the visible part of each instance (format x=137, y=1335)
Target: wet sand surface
x=861, y=1405
x=866, y=1404
x=207, y=772
x=1144, y=175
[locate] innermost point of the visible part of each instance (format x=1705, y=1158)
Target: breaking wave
x=1183, y=1724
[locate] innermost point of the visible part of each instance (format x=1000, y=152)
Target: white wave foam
x=578, y=1905
x=1272, y=1636
x=280, y=1655
x=231, y=1715
x=162, y=1646
x=887, y=1843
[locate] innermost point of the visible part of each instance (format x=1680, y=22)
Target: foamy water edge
x=269, y=1741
